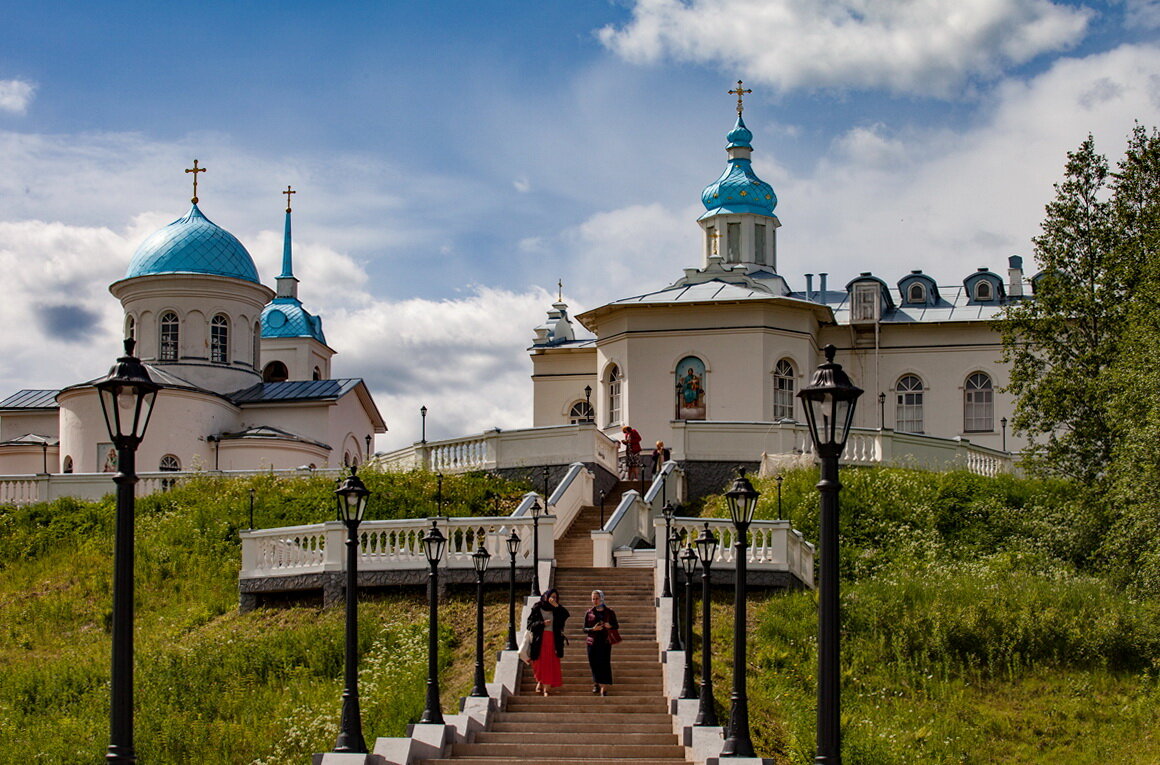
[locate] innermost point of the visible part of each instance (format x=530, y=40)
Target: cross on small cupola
x=288, y=192
x=195, y=170
x=739, y=92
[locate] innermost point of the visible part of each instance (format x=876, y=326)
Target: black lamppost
x=602, y=496
x=882, y=411
x=368, y=454
x=536, y=510
x=479, y=559
x=689, y=565
x=706, y=551
x=742, y=501
x=667, y=512
x=352, y=503
x=423, y=416
x=44, y=454
x=547, y=472
x=513, y=546
x=675, y=632
x=779, y=479
x=1003, y=422
x=588, y=402
x=829, y=401
x=433, y=545
x=127, y=396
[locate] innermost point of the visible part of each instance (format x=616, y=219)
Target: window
x=275, y=371
x=68, y=466
x=916, y=293
x=733, y=242
x=983, y=290
x=169, y=464
x=317, y=373
x=783, y=383
x=908, y=413
x=711, y=237
x=130, y=327
x=219, y=339
x=614, y=379
x=581, y=411
x=978, y=404
x=257, y=343
x=346, y=459
x=170, y=336
x=759, y=244
x=865, y=302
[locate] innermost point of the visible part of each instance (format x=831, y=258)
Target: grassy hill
x=980, y=625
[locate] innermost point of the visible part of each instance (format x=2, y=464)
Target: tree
x=1060, y=343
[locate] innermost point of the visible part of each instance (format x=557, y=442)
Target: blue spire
x=287, y=259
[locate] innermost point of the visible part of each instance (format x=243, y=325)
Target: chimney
x=809, y=286
x=822, y=286
x=1015, y=276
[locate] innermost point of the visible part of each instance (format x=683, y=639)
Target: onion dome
x=193, y=244
x=739, y=190
x=285, y=317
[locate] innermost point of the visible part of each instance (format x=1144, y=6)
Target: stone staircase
x=632, y=724
x=574, y=549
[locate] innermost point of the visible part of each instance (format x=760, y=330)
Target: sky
x=454, y=160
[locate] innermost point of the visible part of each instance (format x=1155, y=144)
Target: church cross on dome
x=714, y=237
x=288, y=192
x=739, y=92
x=195, y=170
x=559, y=290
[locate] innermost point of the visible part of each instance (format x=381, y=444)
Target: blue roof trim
x=295, y=390
x=193, y=244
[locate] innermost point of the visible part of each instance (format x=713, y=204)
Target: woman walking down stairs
x=630, y=725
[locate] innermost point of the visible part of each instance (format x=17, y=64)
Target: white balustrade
x=773, y=545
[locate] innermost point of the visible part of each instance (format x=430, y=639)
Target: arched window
x=275, y=371
x=346, y=459
x=68, y=465
x=169, y=464
x=130, y=327
x=614, y=379
x=317, y=373
x=219, y=339
x=170, y=335
x=581, y=411
x=908, y=413
x=983, y=290
x=783, y=384
x=916, y=293
x=978, y=404
x=257, y=350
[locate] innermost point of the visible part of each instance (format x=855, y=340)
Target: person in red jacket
x=631, y=443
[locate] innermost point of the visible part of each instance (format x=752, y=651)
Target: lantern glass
x=668, y=510
x=351, y=497
x=480, y=558
x=689, y=561
x=829, y=402
x=433, y=544
x=127, y=395
x=706, y=546
x=674, y=542
x=537, y=511
x=742, y=500
x=513, y=544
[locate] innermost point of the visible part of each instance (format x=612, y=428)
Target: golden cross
x=560, y=291
x=195, y=170
x=739, y=92
x=288, y=192
x=714, y=236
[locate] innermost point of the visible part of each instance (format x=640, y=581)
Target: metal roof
x=295, y=390
x=31, y=399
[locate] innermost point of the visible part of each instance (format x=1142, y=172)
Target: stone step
x=548, y=750
x=556, y=761
x=560, y=737
x=577, y=704
x=614, y=725
x=587, y=717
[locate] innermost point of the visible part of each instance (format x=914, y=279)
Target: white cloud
x=927, y=48
x=15, y=95
x=1142, y=14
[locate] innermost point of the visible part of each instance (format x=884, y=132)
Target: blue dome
x=738, y=190
x=285, y=317
x=193, y=244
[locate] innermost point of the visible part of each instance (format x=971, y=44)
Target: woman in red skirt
x=546, y=623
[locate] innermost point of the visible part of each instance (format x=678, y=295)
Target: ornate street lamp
x=127, y=396
x=675, y=631
x=829, y=400
x=423, y=416
x=689, y=565
x=351, y=497
x=667, y=512
x=742, y=501
x=706, y=551
x=588, y=402
x=368, y=454
x=479, y=559
x=779, y=479
x=1003, y=422
x=536, y=511
x=513, y=546
x=433, y=546
x=881, y=411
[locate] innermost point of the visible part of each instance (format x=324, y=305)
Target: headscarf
x=600, y=593
x=547, y=604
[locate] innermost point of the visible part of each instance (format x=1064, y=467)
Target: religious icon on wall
x=691, y=389
x=107, y=458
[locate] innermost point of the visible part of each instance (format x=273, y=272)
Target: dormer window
x=983, y=291
x=866, y=302
x=916, y=293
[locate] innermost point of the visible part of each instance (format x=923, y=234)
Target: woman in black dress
x=599, y=624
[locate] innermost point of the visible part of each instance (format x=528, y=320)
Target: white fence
x=773, y=545
x=387, y=545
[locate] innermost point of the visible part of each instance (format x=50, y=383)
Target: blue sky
x=453, y=160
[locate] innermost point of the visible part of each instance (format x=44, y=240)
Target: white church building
x=246, y=371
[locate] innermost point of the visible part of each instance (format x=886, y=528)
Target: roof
x=34, y=439
x=31, y=399
x=954, y=304
x=269, y=432
x=193, y=244
x=285, y=317
x=295, y=390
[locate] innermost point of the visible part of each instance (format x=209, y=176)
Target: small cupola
x=557, y=328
